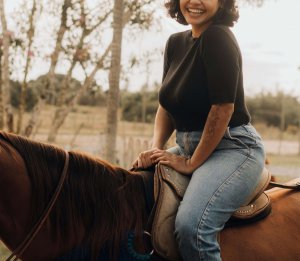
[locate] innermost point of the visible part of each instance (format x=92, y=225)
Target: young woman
x=202, y=99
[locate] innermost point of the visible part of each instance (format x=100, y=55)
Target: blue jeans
x=217, y=188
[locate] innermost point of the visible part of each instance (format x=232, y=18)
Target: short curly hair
x=227, y=14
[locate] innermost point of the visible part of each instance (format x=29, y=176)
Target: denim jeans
x=217, y=188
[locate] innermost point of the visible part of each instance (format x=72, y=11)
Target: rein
x=279, y=185
x=36, y=228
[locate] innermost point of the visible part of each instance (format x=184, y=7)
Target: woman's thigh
x=220, y=186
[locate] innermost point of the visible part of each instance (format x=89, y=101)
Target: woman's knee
x=185, y=226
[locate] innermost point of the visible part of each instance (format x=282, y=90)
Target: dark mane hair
x=226, y=15
x=104, y=200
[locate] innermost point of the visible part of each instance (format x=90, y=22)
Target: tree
x=80, y=55
x=28, y=55
x=49, y=92
x=133, y=107
x=114, y=80
x=4, y=71
x=278, y=110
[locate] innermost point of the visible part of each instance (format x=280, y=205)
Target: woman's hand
x=178, y=163
x=144, y=160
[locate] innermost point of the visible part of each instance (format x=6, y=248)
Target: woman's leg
x=220, y=186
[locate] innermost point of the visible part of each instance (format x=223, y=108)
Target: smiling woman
x=202, y=99
x=194, y=13
x=198, y=15
x=268, y=37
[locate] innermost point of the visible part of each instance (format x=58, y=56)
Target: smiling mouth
x=195, y=11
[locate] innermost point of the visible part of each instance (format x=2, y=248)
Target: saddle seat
x=169, y=189
x=257, y=206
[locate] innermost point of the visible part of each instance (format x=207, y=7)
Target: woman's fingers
x=144, y=159
x=177, y=162
x=135, y=164
x=159, y=155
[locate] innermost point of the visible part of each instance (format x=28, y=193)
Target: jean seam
x=240, y=141
x=221, y=188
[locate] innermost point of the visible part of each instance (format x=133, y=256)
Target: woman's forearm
x=163, y=128
x=214, y=129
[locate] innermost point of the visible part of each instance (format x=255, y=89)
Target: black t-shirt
x=199, y=72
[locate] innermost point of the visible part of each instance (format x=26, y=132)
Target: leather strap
x=295, y=186
x=36, y=228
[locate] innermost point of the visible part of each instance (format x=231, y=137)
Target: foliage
x=40, y=87
x=93, y=97
x=267, y=108
x=274, y=109
x=30, y=97
x=132, y=106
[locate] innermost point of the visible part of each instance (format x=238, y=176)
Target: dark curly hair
x=227, y=14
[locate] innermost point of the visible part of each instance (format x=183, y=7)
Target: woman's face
x=198, y=13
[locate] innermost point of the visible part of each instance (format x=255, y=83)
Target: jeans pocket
x=237, y=138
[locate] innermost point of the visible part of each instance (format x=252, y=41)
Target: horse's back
x=276, y=237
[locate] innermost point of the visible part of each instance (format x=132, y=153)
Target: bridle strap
x=36, y=228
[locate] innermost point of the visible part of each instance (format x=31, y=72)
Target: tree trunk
x=61, y=105
x=62, y=113
x=34, y=119
x=1, y=96
x=62, y=109
x=50, y=91
x=4, y=82
x=58, y=47
x=114, y=80
x=30, y=34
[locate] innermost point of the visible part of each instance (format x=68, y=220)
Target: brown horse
x=100, y=204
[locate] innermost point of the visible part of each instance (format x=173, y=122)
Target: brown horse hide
x=275, y=238
x=100, y=204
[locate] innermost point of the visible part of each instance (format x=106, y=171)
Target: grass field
x=4, y=252
x=284, y=160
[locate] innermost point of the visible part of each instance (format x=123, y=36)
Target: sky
x=269, y=38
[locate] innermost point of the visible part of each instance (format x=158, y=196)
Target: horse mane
x=98, y=197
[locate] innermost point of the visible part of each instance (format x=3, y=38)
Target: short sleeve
x=221, y=59
x=167, y=58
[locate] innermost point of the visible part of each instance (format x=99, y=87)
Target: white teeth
x=196, y=11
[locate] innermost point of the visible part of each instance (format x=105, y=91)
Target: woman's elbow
x=224, y=108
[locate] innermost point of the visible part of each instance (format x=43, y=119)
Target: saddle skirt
x=169, y=189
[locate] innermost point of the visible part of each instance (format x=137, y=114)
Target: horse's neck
x=15, y=209
x=14, y=194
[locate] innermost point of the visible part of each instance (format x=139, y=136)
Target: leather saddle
x=169, y=188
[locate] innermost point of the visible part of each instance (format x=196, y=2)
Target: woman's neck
x=197, y=30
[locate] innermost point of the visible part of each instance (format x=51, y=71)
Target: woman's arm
x=163, y=129
x=214, y=129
